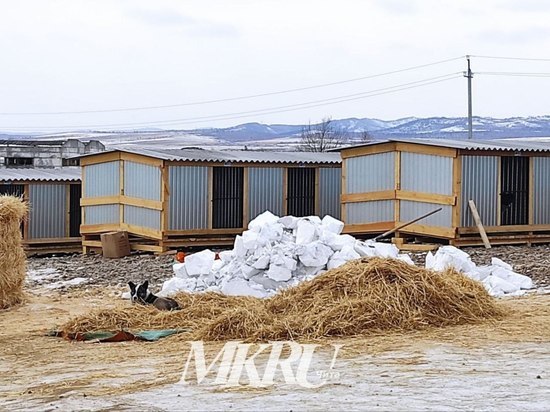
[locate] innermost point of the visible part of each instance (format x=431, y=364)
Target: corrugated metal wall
x=188, y=204
x=479, y=183
x=142, y=217
x=371, y=173
x=102, y=179
x=48, y=203
x=265, y=185
x=101, y=214
x=330, y=189
x=410, y=210
x=427, y=173
x=541, y=190
x=141, y=180
x=369, y=212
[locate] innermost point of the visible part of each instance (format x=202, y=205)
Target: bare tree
x=321, y=137
x=365, y=137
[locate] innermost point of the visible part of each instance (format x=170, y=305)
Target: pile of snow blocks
x=274, y=253
x=279, y=252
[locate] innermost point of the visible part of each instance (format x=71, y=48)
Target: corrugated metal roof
x=236, y=156
x=474, y=144
x=54, y=174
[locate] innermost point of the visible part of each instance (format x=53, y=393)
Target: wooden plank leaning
x=479, y=225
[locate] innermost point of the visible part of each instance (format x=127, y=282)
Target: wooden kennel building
x=173, y=198
x=53, y=194
x=390, y=182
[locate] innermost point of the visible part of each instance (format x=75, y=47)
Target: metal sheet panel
x=141, y=180
x=371, y=173
x=101, y=214
x=330, y=189
x=541, y=190
x=48, y=204
x=479, y=183
x=102, y=179
x=410, y=210
x=188, y=204
x=369, y=212
x=265, y=187
x=426, y=173
x=142, y=217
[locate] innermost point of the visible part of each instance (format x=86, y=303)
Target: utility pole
x=469, y=76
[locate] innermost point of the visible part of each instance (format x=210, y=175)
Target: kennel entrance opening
x=227, y=197
x=301, y=192
x=514, y=193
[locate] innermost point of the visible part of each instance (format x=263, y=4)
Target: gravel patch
x=531, y=261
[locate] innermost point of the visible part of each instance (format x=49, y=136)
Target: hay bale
x=12, y=255
x=361, y=297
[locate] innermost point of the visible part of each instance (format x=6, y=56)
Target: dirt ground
x=503, y=365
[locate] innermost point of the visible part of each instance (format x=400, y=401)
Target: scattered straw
x=363, y=296
x=12, y=256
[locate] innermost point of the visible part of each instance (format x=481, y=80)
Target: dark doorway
x=227, y=197
x=14, y=190
x=514, y=192
x=75, y=214
x=301, y=192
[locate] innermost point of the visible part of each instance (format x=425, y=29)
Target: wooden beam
x=210, y=203
x=67, y=209
x=26, y=197
x=368, y=196
x=45, y=241
x=101, y=200
x=100, y=158
x=137, y=158
x=457, y=190
x=503, y=229
x=435, y=231
x=376, y=227
x=165, y=197
x=425, y=197
x=343, y=190
x=111, y=227
x=397, y=187
x=285, y=192
x=121, y=189
x=531, y=197
x=138, y=202
x=499, y=189
x=317, y=198
x=147, y=248
x=426, y=149
x=198, y=232
x=142, y=231
x=480, y=228
x=367, y=150
x=246, y=198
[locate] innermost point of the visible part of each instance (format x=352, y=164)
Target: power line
x=273, y=110
x=523, y=74
x=203, y=102
x=511, y=58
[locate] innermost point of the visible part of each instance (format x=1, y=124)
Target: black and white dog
x=140, y=294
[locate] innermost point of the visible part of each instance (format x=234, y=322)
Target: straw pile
x=361, y=297
x=12, y=256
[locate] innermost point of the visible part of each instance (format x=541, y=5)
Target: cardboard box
x=115, y=244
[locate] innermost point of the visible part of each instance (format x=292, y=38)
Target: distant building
x=45, y=153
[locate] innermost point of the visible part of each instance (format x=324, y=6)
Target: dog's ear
x=145, y=284
x=132, y=287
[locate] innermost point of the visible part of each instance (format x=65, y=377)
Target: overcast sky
x=75, y=55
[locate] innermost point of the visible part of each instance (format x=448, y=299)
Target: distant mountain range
x=434, y=127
